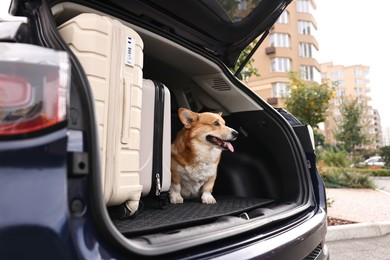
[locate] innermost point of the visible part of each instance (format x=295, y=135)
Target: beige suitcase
x=112, y=57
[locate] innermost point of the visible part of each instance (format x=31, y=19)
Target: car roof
x=222, y=27
x=374, y=158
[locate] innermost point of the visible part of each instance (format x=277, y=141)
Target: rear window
x=237, y=10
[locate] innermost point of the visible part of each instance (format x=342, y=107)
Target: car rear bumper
x=305, y=241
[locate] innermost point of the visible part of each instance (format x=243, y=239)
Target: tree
x=249, y=69
x=385, y=153
x=308, y=101
x=350, y=127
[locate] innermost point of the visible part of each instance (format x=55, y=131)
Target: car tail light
x=34, y=88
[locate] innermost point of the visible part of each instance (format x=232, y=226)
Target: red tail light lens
x=34, y=88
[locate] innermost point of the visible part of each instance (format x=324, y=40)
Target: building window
x=337, y=74
x=358, y=72
x=359, y=81
x=280, y=89
x=279, y=40
x=283, y=18
x=307, y=50
x=280, y=65
x=241, y=5
x=338, y=83
x=310, y=73
x=337, y=102
x=359, y=91
x=304, y=6
x=361, y=100
x=340, y=92
x=305, y=27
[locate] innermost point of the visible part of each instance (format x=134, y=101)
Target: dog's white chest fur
x=195, y=175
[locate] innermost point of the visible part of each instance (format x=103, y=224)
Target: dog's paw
x=175, y=198
x=207, y=198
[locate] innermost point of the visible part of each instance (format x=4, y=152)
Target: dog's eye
x=216, y=123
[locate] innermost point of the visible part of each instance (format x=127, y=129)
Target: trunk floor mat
x=151, y=218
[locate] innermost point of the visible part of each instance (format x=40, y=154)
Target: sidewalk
x=370, y=208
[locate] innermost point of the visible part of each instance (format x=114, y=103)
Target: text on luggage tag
x=130, y=51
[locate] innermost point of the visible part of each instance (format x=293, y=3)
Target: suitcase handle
x=157, y=166
x=126, y=112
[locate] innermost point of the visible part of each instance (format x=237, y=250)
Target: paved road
x=365, y=248
x=382, y=183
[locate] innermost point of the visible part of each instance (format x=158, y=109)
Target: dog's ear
x=219, y=113
x=187, y=117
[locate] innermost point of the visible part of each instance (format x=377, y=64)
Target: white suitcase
x=155, y=162
x=112, y=57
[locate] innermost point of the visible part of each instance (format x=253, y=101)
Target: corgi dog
x=196, y=152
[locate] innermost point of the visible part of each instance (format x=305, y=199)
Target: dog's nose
x=234, y=134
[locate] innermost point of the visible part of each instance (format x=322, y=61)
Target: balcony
x=272, y=101
x=270, y=50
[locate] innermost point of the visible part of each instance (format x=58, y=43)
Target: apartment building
x=352, y=82
x=386, y=136
x=290, y=46
x=376, y=130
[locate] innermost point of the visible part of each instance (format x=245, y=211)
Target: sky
x=355, y=32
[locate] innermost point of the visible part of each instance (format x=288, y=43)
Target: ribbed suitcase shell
x=148, y=141
x=112, y=57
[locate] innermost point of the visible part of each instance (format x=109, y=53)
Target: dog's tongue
x=228, y=145
x=222, y=143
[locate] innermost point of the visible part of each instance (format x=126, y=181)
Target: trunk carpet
x=151, y=218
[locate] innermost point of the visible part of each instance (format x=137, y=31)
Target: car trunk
x=264, y=182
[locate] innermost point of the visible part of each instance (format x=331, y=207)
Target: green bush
x=346, y=178
x=335, y=158
x=372, y=171
x=379, y=172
